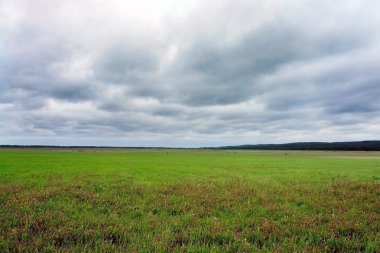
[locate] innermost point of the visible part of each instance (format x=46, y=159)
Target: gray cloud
x=210, y=73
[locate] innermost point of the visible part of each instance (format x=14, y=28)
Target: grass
x=187, y=200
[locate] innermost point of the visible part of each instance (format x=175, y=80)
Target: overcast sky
x=188, y=73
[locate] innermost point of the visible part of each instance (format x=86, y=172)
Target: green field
x=189, y=200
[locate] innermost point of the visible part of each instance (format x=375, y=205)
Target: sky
x=181, y=73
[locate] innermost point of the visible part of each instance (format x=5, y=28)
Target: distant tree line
x=348, y=146
x=78, y=147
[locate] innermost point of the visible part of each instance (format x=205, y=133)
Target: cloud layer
x=188, y=73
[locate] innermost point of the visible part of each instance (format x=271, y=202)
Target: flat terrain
x=189, y=200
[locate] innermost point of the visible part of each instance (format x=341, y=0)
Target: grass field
x=188, y=200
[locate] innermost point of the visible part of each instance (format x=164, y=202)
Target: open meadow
x=188, y=200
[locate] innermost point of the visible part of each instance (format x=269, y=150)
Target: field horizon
x=365, y=145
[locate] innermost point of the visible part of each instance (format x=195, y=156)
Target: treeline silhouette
x=77, y=147
x=348, y=146
x=344, y=146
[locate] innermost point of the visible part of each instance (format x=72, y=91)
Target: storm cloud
x=188, y=73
